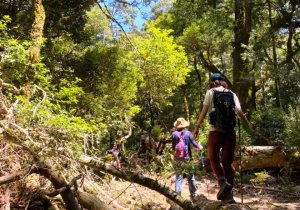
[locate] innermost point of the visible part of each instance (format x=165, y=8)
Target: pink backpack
x=181, y=148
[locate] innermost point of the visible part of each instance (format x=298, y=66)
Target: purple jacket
x=188, y=137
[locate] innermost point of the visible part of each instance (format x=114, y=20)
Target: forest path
x=131, y=195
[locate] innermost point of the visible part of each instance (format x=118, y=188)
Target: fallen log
x=261, y=157
x=201, y=203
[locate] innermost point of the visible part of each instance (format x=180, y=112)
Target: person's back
x=221, y=102
x=182, y=156
x=223, y=138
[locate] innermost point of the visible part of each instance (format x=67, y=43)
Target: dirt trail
x=132, y=195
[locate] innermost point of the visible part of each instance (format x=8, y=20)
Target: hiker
x=147, y=148
x=222, y=136
x=181, y=140
x=116, y=154
x=121, y=139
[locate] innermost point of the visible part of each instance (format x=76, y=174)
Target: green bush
x=270, y=123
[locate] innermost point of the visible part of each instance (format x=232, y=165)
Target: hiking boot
x=225, y=189
x=229, y=199
x=194, y=198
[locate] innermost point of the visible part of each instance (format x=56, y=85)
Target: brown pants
x=223, y=143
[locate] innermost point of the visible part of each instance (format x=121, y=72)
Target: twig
x=10, y=113
x=124, y=2
x=4, y=148
x=110, y=16
x=44, y=98
x=89, y=183
x=120, y=193
x=15, y=139
x=9, y=86
x=23, y=131
x=13, y=177
x=139, y=195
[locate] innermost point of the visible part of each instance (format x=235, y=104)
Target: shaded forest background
x=77, y=75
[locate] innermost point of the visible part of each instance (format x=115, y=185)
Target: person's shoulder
x=174, y=133
x=187, y=132
x=210, y=92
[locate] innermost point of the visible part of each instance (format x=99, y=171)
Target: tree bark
x=261, y=157
x=91, y=202
x=12, y=177
x=202, y=202
x=242, y=85
x=58, y=182
x=37, y=29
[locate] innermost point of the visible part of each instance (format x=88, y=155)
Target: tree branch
x=139, y=179
x=13, y=177
x=44, y=98
x=107, y=13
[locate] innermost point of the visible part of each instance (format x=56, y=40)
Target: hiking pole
x=202, y=158
x=241, y=184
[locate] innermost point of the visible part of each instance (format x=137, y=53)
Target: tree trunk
x=261, y=157
x=186, y=105
x=242, y=85
x=37, y=29
x=58, y=182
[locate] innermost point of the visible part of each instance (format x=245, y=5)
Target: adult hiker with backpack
x=181, y=141
x=222, y=105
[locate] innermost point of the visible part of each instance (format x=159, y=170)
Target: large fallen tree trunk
x=260, y=157
x=202, y=203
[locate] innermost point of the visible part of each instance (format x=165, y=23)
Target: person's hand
x=200, y=147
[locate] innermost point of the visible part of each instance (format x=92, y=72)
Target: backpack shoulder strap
x=184, y=134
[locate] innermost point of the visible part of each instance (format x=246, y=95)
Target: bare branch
x=13, y=177
x=64, y=188
x=124, y=2
x=107, y=13
x=44, y=98
x=14, y=89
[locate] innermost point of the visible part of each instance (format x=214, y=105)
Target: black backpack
x=223, y=118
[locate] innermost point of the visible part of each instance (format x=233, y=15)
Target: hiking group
x=221, y=105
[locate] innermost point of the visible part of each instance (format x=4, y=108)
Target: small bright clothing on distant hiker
x=116, y=154
x=184, y=167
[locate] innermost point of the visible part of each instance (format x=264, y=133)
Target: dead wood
x=58, y=182
x=91, y=202
x=261, y=157
x=12, y=177
x=153, y=185
x=6, y=199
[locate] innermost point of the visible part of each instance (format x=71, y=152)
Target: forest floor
x=134, y=196
x=123, y=195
